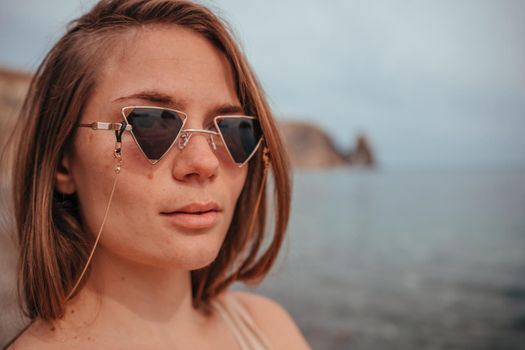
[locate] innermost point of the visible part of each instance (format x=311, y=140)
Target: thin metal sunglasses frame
x=185, y=133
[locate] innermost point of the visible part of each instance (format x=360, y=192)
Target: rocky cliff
x=311, y=147
x=308, y=145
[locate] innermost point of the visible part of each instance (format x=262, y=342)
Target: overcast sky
x=432, y=83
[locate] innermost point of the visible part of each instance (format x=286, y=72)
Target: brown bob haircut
x=53, y=245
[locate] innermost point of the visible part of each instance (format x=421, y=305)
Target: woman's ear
x=63, y=179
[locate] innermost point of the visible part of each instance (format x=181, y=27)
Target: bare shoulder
x=273, y=320
x=34, y=336
x=25, y=341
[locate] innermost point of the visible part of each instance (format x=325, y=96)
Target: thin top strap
x=243, y=326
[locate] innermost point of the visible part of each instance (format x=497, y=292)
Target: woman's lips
x=194, y=216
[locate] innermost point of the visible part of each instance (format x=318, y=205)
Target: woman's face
x=149, y=221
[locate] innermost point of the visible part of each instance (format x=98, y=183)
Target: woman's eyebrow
x=227, y=108
x=154, y=97
x=167, y=100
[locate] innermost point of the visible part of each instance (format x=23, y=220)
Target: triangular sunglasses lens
x=241, y=136
x=155, y=129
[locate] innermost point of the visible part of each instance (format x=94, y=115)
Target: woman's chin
x=198, y=261
x=188, y=258
x=187, y=252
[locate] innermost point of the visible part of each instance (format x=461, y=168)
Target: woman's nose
x=196, y=159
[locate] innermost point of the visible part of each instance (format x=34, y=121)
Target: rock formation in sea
x=311, y=147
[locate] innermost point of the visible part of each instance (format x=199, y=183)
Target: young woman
x=145, y=141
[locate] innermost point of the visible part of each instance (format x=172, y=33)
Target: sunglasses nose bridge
x=186, y=135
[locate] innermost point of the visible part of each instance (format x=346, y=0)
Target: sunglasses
x=156, y=129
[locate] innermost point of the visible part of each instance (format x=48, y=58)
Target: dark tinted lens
x=155, y=129
x=241, y=136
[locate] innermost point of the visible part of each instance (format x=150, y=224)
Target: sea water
x=413, y=259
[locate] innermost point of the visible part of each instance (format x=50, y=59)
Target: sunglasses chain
x=117, y=153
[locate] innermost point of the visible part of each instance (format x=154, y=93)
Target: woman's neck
x=134, y=297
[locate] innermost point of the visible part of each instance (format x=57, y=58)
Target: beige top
x=241, y=323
